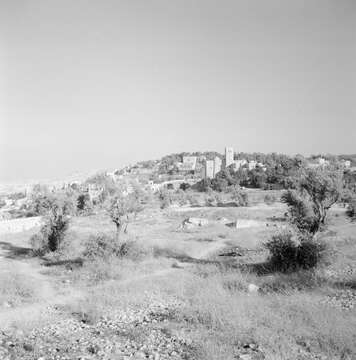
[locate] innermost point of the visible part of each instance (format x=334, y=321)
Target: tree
x=121, y=207
x=324, y=187
x=317, y=191
x=43, y=200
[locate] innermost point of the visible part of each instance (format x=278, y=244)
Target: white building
x=209, y=169
x=239, y=163
x=346, y=163
x=217, y=165
x=229, y=156
x=252, y=164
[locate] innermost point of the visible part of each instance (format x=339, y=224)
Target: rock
x=196, y=221
x=245, y=357
x=252, y=288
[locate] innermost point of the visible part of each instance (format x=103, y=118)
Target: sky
x=88, y=85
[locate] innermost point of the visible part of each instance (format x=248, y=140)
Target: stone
x=252, y=288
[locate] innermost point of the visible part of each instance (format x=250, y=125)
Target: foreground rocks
x=129, y=334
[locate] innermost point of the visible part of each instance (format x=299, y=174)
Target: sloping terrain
x=190, y=296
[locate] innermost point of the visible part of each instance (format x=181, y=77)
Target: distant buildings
x=346, y=164
x=212, y=167
x=189, y=164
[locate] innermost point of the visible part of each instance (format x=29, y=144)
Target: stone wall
x=19, y=225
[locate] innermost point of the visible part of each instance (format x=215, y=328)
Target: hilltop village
x=179, y=171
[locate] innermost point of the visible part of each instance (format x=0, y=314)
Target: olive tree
x=121, y=210
x=317, y=191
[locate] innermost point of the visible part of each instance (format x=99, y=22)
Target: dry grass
x=224, y=316
x=16, y=288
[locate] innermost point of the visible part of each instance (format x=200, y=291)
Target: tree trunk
x=118, y=230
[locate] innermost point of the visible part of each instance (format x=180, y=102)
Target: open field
x=199, y=292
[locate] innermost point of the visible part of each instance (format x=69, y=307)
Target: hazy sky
x=98, y=84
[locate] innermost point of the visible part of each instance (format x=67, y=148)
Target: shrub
x=38, y=244
x=56, y=223
x=181, y=197
x=283, y=249
x=184, y=186
x=351, y=208
x=269, y=199
x=212, y=199
x=100, y=246
x=310, y=253
x=84, y=205
x=289, y=252
x=106, y=246
x=239, y=196
x=166, y=198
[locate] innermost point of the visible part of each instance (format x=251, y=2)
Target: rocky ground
x=125, y=334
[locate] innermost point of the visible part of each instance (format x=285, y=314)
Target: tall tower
x=229, y=156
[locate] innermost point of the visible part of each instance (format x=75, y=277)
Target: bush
x=166, y=198
x=184, y=186
x=101, y=246
x=239, y=196
x=283, y=249
x=310, y=253
x=180, y=197
x=106, y=246
x=269, y=199
x=351, y=208
x=38, y=244
x=52, y=232
x=289, y=252
x=84, y=205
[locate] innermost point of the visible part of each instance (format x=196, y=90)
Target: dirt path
x=16, y=264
